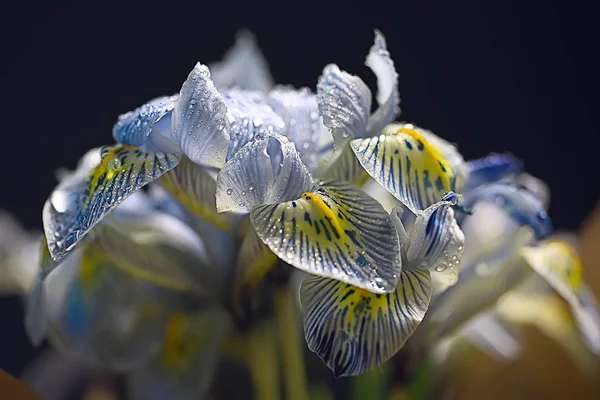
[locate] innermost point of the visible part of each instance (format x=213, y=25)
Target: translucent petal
x=243, y=66
x=346, y=167
x=535, y=186
x=303, y=125
x=188, y=358
x=353, y=330
x=490, y=334
x=135, y=127
x=561, y=267
x=335, y=231
x=80, y=202
x=250, y=116
x=199, y=120
x=195, y=189
x=388, y=96
x=491, y=169
x=157, y=257
x=407, y=165
x=436, y=243
x=98, y=313
x=519, y=204
x=254, y=261
x=268, y=170
x=344, y=102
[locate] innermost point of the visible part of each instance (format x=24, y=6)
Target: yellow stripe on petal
x=82, y=200
x=336, y=231
x=353, y=330
x=195, y=189
x=410, y=167
x=255, y=260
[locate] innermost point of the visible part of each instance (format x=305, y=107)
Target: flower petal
x=407, y=165
x=491, y=169
x=243, y=66
x=520, y=205
x=195, y=189
x=135, y=127
x=99, y=313
x=185, y=366
x=164, y=257
x=436, y=243
x=80, y=202
x=199, y=120
x=249, y=116
x=346, y=167
x=561, y=267
x=267, y=170
x=344, y=102
x=335, y=231
x=353, y=330
x=254, y=261
x=303, y=125
x=388, y=96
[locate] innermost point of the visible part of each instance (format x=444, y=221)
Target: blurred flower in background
x=228, y=216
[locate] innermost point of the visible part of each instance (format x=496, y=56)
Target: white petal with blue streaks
x=353, y=330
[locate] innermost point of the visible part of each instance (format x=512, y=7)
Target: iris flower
x=248, y=183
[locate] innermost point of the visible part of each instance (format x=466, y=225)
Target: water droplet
x=243, y=192
x=229, y=191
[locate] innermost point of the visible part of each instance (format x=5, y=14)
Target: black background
x=519, y=76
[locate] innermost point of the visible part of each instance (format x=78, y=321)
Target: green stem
x=262, y=361
x=291, y=345
x=372, y=385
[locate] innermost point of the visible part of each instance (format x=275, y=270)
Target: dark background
x=519, y=76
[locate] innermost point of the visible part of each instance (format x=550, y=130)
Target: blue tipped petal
x=520, y=205
x=135, y=127
x=491, y=169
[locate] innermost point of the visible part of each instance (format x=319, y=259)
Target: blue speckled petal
x=135, y=127
x=353, y=330
x=243, y=66
x=435, y=242
x=335, y=231
x=519, y=204
x=81, y=201
x=388, y=96
x=249, y=115
x=412, y=164
x=491, y=169
x=199, y=120
x=267, y=170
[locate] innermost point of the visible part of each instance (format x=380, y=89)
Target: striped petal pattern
x=353, y=330
x=407, y=165
x=80, y=202
x=335, y=231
